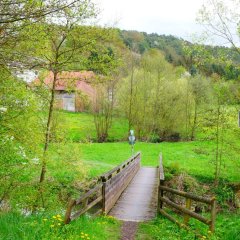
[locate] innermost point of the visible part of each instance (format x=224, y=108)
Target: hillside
x=175, y=53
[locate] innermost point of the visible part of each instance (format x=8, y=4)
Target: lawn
x=84, y=159
x=79, y=127
x=44, y=226
x=193, y=157
x=227, y=228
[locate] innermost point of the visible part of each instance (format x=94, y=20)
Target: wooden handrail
x=88, y=194
x=82, y=200
x=187, y=213
x=161, y=171
x=118, y=168
x=104, y=179
x=188, y=195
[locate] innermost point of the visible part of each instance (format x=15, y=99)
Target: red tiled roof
x=71, y=81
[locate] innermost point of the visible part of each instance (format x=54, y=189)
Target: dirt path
x=128, y=230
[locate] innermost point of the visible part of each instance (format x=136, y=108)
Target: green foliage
x=19, y=147
x=224, y=193
x=227, y=227
x=197, y=58
x=152, y=96
x=45, y=226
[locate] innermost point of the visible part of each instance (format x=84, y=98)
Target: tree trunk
x=216, y=177
x=194, y=122
x=48, y=127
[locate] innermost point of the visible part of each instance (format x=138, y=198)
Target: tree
x=156, y=112
x=18, y=14
x=56, y=46
x=106, y=61
x=221, y=19
x=20, y=131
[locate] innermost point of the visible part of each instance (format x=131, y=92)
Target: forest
x=180, y=98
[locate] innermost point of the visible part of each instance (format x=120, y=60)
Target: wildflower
x=3, y=109
x=58, y=216
x=54, y=217
x=35, y=160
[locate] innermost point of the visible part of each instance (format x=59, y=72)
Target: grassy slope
x=194, y=157
x=95, y=159
x=43, y=227
x=227, y=228
x=80, y=127
x=101, y=157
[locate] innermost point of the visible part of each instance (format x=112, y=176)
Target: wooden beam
x=186, y=211
x=187, y=195
x=111, y=172
x=82, y=211
x=213, y=215
x=88, y=194
x=67, y=218
x=161, y=171
x=188, y=206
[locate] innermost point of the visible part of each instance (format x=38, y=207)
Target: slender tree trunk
x=194, y=122
x=48, y=128
x=131, y=99
x=216, y=177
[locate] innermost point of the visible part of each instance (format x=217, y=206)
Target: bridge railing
x=185, y=211
x=116, y=180
x=106, y=191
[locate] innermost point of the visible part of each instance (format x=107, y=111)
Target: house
x=73, y=91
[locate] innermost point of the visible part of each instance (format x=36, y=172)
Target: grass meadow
x=79, y=158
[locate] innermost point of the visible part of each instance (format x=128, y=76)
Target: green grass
x=227, y=228
x=78, y=159
x=43, y=227
x=79, y=127
x=193, y=157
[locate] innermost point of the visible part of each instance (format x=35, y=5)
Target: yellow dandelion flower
x=59, y=216
x=54, y=217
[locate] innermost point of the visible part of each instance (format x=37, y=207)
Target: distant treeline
x=175, y=53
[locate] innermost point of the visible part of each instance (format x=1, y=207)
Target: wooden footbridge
x=130, y=192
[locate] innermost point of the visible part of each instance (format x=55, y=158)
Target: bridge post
x=161, y=183
x=103, y=194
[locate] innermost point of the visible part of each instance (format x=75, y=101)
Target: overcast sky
x=175, y=17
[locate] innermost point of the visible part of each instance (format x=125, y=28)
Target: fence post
x=67, y=218
x=103, y=195
x=213, y=215
x=188, y=206
x=161, y=182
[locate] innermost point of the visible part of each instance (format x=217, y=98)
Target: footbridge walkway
x=133, y=193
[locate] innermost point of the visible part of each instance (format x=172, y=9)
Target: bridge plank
x=139, y=200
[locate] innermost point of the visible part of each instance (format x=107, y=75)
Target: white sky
x=175, y=17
